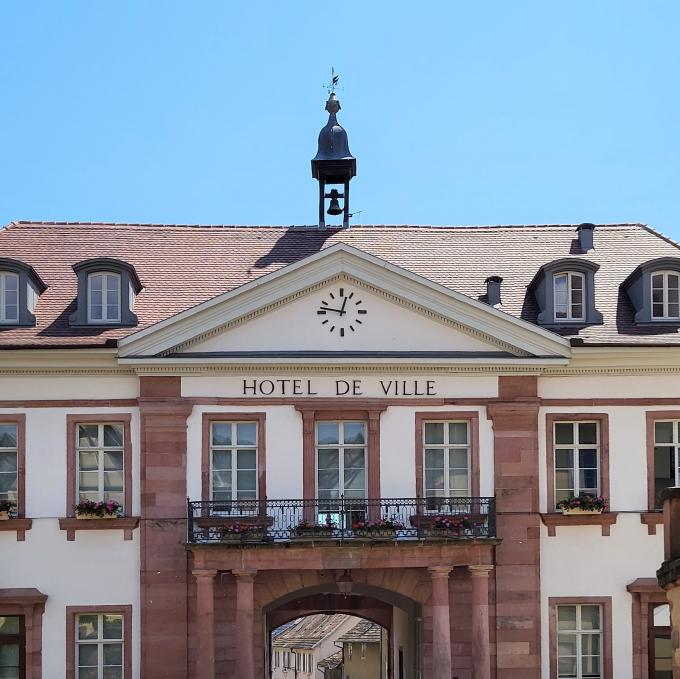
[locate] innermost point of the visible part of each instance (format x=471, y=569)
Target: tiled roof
x=364, y=632
x=331, y=662
x=181, y=266
x=307, y=632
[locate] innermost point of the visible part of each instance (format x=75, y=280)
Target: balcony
x=343, y=520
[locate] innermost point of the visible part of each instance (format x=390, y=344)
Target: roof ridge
x=26, y=222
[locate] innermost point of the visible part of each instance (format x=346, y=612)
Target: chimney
x=493, y=290
x=585, y=236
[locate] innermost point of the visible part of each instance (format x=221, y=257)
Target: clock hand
x=342, y=308
x=327, y=308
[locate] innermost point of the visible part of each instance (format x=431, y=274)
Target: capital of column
x=480, y=571
x=244, y=574
x=439, y=572
x=207, y=573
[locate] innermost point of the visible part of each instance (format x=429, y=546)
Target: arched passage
x=399, y=615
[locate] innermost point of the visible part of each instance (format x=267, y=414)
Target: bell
x=334, y=208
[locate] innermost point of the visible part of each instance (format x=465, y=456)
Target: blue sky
x=458, y=112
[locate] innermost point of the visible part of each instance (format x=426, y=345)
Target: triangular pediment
x=343, y=301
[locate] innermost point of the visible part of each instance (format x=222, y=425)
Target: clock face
x=342, y=312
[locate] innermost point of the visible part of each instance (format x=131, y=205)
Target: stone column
x=205, y=622
x=245, y=621
x=441, y=622
x=518, y=524
x=163, y=530
x=481, y=651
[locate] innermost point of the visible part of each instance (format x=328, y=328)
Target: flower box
x=442, y=526
x=581, y=511
x=375, y=533
x=582, y=504
x=4, y=516
x=313, y=532
x=6, y=506
x=97, y=509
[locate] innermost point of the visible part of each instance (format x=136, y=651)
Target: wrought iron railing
x=342, y=519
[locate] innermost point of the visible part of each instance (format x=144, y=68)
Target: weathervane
x=333, y=84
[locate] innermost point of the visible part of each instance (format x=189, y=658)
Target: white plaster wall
x=385, y=327
x=609, y=386
x=68, y=387
x=98, y=568
x=579, y=561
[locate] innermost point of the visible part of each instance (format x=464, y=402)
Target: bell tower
x=333, y=163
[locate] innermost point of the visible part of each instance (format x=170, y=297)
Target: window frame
x=4, y=275
x=605, y=604
x=603, y=434
x=99, y=449
x=341, y=447
x=472, y=419
x=570, y=276
x=447, y=447
x=19, y=421
x=206, y=453
x=72, y=422
x=665, y=290
x=233, y=450
x=653, y=416
x=104, y=320
x=72, y=613
x=358, y=409
x=18, y=640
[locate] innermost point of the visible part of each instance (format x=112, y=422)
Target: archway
x=395, y=613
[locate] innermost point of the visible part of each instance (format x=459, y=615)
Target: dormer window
x=568, y=287
x=665, y=300
x=654, y=291
x=9, y=298
x=20, y=287
x=106, y=293
x=103, y=297
x=565, y=293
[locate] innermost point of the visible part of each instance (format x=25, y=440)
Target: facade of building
x=364, y=651
x=300, y=649
x=234, y=367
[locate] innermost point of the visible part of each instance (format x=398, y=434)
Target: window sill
x=651, y=520
x=19, y=525
x=71, y=524
x=605, y=520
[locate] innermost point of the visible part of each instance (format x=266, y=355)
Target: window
x=12, y=647
x=340, y=460
x=660, y=650
x=9, y=297
x=446, y=447
x=233, y=461
x=9, y=467
x=100, y=461
x=666, y=460
x=666, y=294
x=568, y=289
x=103, y=297
x=579, y=641
x=99, y=646
x=576, y=459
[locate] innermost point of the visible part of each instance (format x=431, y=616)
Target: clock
x=342, y=311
